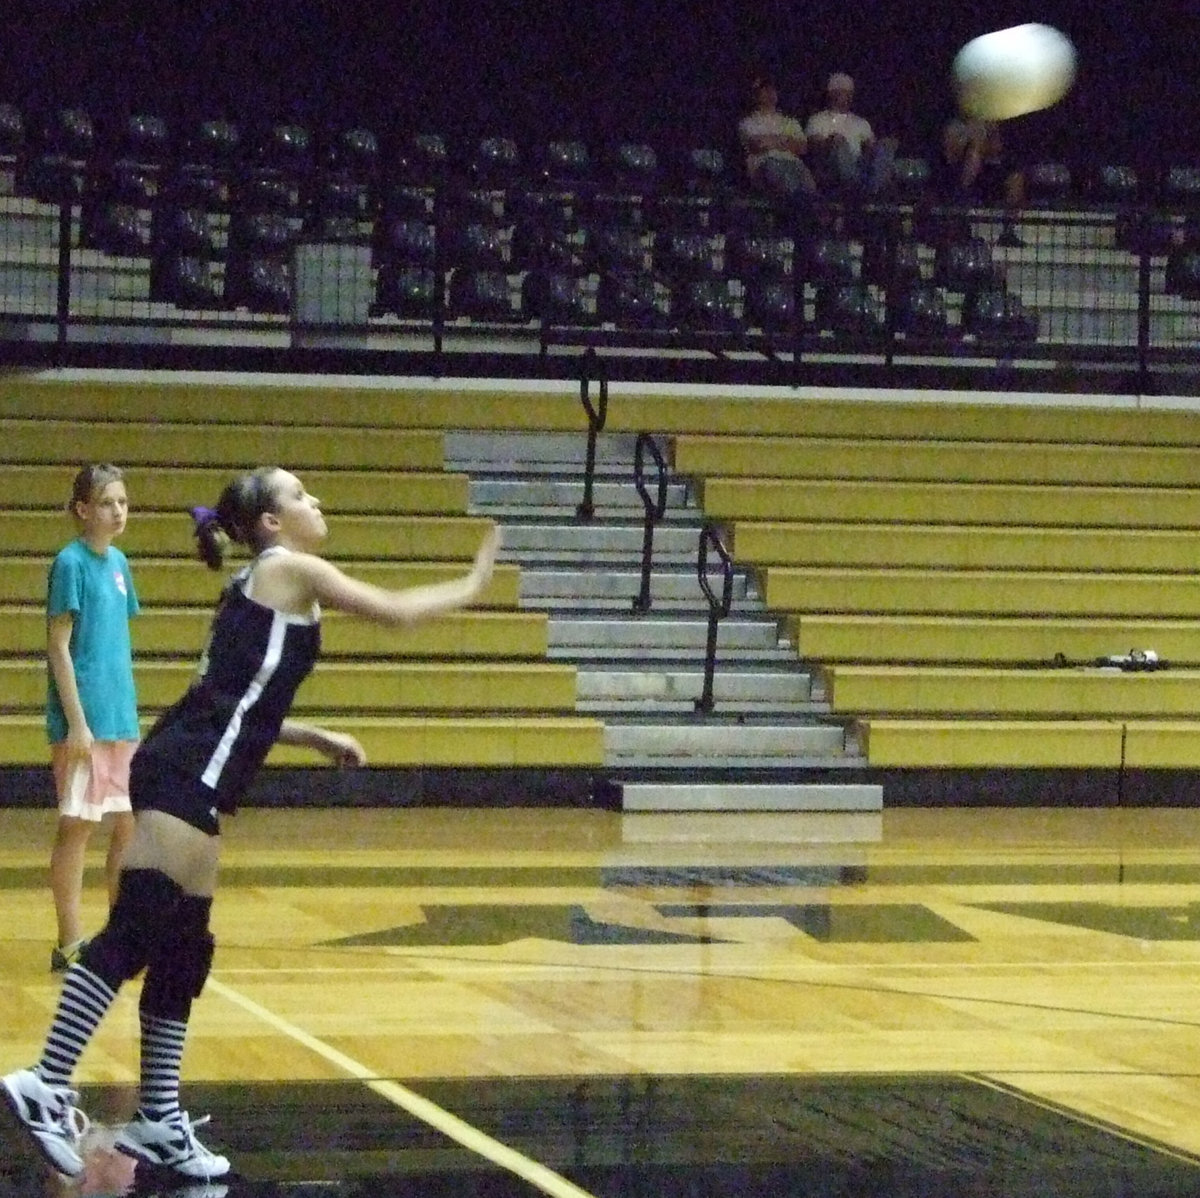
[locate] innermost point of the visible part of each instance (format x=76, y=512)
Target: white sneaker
x=50, y=1116
x=171, y=1144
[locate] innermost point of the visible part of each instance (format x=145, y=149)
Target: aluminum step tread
x=752, y=796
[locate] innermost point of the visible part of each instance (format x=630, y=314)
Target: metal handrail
x=597, y=415
x=718, y=608
x=655, y=507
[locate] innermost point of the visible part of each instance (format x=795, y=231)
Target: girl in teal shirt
x=91, y=704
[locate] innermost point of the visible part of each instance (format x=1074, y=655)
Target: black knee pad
x=147, y=903
x=180, y=961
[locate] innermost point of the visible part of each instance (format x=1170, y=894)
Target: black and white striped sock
x=162, y=1060
x=83, y=1003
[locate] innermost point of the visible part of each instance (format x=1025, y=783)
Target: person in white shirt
x=774, y=143
x=844, y=145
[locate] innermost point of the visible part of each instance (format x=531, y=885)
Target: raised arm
x=332, y=589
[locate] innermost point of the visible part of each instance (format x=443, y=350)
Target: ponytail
x=211, y=538
x=236, y=518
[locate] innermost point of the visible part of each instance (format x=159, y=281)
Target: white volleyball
x=1013, y=72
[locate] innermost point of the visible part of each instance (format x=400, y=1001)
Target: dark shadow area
x=916, y=1136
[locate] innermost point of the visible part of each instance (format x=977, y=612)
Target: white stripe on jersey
x=270, y=663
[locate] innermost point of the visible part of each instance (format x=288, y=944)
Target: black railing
x=654, y=506
x=719, y=606
x=900, y=289
x=597, y=417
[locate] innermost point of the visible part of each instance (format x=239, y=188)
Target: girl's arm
x=339, y=747
x=58, y=652
x=338, y=592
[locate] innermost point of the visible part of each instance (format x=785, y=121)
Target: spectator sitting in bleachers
x=974, y=167
x=774, y=143
x=845, y=149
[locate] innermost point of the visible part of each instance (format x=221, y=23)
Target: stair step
x=617, y=603
x=649, y=632
x=781, y=765
x=726, y=743
x=724, y=796
x=787, y=832
x=552, y=494
x=680, y=544
x=668, y=655
x=663, y=685
x=538, y=452
x=567, y=558
x=651, y=708
x=570, y=583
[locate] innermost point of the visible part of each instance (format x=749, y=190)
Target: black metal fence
x=672, y=271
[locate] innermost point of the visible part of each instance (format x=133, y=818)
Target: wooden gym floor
x=446, y=1002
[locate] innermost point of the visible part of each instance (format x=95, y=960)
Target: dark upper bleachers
x=634, y=235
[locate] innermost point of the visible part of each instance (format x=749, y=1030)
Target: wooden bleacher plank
x=231, y=446
x=833, y=637
x=949, y=418
x=538, y=740
x=182, y=631
x=182, y=580
x=150, y=488
x=1088, y=692
x=375, y=537
x=744, y=499
x=959, y=593
x=315, y=405
x=404, y=686
x=1162, y=744
x=935, y=546
x=992, y=744
x=933, y=461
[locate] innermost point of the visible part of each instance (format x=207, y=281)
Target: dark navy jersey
x=220, y=731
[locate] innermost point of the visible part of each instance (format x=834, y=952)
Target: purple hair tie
x=209, y=536
x=204, y=516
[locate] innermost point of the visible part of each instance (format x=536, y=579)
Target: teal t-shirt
x=98, y=590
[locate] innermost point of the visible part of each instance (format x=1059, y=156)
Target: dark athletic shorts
x=153, y=788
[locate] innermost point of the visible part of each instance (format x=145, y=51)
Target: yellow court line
x=470, y=1137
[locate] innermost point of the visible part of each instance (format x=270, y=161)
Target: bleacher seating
x=474, y=691
x=967, y=623
x=953, y=572
x=663, y=242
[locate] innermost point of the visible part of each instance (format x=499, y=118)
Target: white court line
x=470, y=1137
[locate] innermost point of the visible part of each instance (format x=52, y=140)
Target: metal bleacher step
x=750, y=796
x=606, y=688
x=481, y=454
x=588, y=634
x=566, y=585
x=594, y=541
x=726, y=742
x=504, y=497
